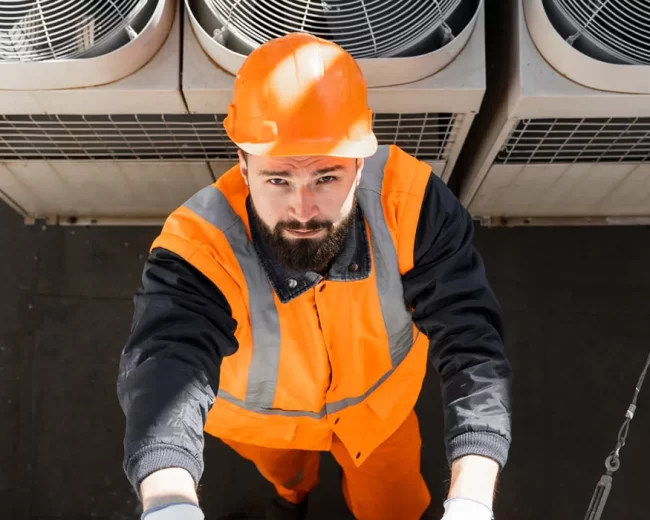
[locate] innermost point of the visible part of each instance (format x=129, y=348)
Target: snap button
x=358, y=455
x=353, y=267
x=322, y=288
x=293, y=283
x=337, y=420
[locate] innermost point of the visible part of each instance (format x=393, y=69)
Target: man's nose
x=303, y=207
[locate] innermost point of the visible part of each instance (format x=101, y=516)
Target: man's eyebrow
x=329, y=169
x=285, y=174
x=275, y=173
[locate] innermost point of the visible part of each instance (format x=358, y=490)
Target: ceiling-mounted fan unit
x=69, y=29
x=91, y=110
x=601, y=44
x=610, y=31
x=566, y=139
x=403, y=34
x=364, y=29
x=59, y=44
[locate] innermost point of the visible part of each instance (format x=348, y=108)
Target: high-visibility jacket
x=342, y=357
x=316, y=356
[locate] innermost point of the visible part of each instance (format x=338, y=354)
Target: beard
x=305, y=254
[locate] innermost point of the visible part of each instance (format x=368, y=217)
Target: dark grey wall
x=577, y=313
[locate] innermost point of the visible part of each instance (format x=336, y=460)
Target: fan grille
x=616, y=139
x=39, y=30
x=186, y=136
x=365, y=28
x=610, y=30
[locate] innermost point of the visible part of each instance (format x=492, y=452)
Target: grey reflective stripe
x=211, y=205
x=268, y=410
x=337, y=406
x=397, y=319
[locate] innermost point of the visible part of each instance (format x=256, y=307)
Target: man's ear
x=243, y=165
x=359, y=170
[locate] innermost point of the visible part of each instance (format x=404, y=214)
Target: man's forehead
x=298, y=166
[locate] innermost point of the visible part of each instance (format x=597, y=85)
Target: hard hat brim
x=354, y=149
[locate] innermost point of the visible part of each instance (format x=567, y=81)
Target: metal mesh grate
x=610, y=30
x=64, y=29
x=365, y=28
x=616, y=139
x=426, y=136
x=185, y=136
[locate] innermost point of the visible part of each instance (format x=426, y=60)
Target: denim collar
x=351, y=263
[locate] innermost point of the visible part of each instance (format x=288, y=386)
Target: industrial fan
x=365, y=28
x=42, y=30
x=614, y=31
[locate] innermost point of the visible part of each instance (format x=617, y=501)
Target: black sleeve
x=169, y=369
x=455, y=307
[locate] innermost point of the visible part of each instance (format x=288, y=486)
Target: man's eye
x=327, y=179
x=277, y=182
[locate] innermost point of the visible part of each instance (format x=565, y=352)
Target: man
x=291, y=308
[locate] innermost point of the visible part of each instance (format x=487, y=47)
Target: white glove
x=459, y=508
x=178, y=511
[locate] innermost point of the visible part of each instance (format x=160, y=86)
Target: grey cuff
x=486, y=444
x=155, y=457
x=178, y=511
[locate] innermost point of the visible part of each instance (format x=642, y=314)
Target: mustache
x=312, y=225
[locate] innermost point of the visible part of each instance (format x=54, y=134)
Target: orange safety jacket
x=226, y=341
x=343, y=357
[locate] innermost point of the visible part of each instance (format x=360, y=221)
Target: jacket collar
x=351, y=263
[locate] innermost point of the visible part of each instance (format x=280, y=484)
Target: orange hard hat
x=301, y=95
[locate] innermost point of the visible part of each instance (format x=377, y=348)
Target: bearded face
x=303, y=206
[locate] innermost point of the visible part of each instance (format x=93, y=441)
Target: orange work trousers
x=388, y=485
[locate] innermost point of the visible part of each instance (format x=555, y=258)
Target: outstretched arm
x=455, y=307
x=169, y=375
